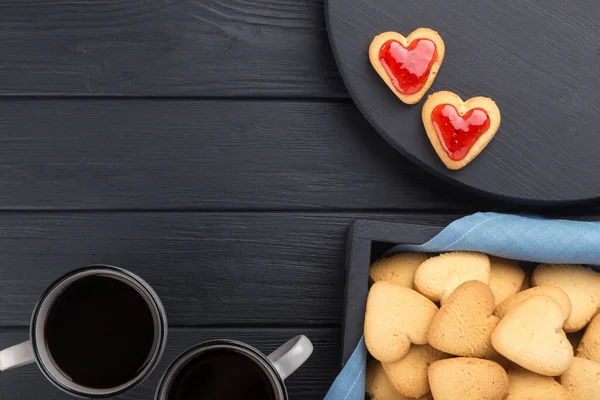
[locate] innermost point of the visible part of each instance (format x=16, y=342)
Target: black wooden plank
x=170, y=47
x=310, y=382
x=208, y=268
x=186, y=154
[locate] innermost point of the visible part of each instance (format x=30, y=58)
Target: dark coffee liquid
x=100, y=332
x=221, y=374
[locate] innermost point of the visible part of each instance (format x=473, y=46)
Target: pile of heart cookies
x=458, y=130
x=468, y=326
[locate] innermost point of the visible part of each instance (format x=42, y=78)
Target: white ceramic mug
x=277, y=366
x=36, y=350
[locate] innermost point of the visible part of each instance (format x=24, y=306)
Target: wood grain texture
x=187, y=154
x=538, y=60
x=167, y=48
x=208, y=268
x=311, y=381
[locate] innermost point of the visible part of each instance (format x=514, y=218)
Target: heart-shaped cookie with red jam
x=408, y=65
x=459, y=130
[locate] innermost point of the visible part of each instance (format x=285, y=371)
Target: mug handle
x=289, y=357
x=17, y=356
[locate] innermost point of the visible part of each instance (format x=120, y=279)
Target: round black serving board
x=540, y=62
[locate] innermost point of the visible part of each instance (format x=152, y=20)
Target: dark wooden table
x=210, y=147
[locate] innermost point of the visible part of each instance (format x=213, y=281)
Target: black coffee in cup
x=100, y=332
x=221, y=373
x=226, y=369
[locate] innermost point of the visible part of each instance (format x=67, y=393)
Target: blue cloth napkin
x=518, y=237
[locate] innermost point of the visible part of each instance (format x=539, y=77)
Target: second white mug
x=227, y=369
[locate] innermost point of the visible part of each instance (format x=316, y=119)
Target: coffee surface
x=100, y=332
x=221, y=374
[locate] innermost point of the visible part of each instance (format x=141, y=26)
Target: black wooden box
x=367, y=241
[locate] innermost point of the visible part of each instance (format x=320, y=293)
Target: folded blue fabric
x=518, y=237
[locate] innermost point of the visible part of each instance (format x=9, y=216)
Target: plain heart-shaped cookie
x=398, y=269
x=552, y=291
x=437, y=277
x=581, y=284
x=395, y=318
x=379, y=387
x=457, y=130
x=507, y=278
x=527, y=385
x=582, y=379
x=409, y=374
x=589, y=347
x=465, y=323
x=408, y=65
x=467, y=379
x=531, y=335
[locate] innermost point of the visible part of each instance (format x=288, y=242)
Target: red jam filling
x=457, y=133
x=408, y=67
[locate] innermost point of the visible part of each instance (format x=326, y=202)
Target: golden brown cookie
x=582, y=379
x=467, y=379
x=396, y=317
x=409, y=374
x=408, y=65
x=398, y=269
x=437, y=277
x=464, y=324
x=552, y=291
x=379, y=387
x=527, y=385
x=457, y=130
x=507, y=278
x=531, y=335
x=581, y=284
x=589, y=347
